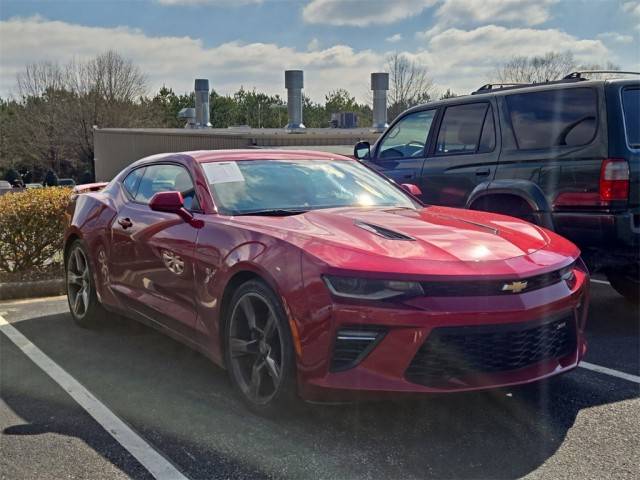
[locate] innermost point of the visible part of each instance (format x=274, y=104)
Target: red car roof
x=205, y=156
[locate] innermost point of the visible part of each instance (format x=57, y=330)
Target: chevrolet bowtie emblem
x=514, y=287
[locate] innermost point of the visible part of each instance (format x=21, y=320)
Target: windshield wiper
x=275, y=212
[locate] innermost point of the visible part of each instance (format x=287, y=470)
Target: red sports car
x=308, y=274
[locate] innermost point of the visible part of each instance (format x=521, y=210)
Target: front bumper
x=387, y=367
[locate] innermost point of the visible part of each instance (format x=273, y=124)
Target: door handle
x=483, y=172
x=125, y=223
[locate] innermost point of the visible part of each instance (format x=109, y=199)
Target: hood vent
x=383, y=232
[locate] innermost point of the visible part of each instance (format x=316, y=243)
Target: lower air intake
x=456, y=353
x=352, y=345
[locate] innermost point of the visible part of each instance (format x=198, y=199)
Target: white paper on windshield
x=222, y=172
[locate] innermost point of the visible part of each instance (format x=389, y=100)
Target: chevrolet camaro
x=309, y=275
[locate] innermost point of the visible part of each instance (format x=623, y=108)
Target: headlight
x=568, y=275
x=368, y=289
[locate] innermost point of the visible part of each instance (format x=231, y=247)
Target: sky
x=338, y=43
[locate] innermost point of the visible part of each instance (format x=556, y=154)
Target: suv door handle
x=125, y=223
x=483, y=172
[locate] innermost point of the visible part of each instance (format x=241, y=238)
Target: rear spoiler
x=89, y=187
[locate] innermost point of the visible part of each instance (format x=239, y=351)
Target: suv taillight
x=614, y=180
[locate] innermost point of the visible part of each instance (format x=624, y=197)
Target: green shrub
x=32, y=226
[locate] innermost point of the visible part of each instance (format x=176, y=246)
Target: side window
x=553, y=118
x=132, y=181
x=460, y=129
x=631, y=107
x=407, y=137
x=161, y=178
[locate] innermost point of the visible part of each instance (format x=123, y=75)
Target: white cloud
x=523, y=12
x=314, y=44
x=394, y=38
x=632, y=7
x=362, y=13
x=462, y=59
x=615, y=37
x=176, y=61
x=456, y=58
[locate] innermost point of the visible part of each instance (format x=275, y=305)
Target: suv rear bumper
x=606, y=239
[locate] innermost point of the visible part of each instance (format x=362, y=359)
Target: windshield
x=261, y=185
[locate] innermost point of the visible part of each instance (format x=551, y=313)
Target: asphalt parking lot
x=585, y=424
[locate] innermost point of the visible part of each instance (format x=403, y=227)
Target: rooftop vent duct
x=202, y=103
x=379, y=85
x=294, y=83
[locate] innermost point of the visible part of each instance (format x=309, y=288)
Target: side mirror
x=172, y=202
x=412, y=189
x=362, y=151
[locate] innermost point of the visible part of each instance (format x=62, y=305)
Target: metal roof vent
x=294, y=83
x=188, y=114
x=202, y=103
x=379, y=85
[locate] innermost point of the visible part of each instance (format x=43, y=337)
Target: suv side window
x=407, y=137
x=161, y=178
x=553, y=118
x=460, y=130
x=132, y=181
x=631, y=108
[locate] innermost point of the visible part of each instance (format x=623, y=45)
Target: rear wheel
x=85, y=308
x=259, y=349
x=626, y=282
x=504, y=204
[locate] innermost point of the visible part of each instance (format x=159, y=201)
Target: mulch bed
x=35, y=283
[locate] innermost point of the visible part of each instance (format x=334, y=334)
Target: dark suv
x=564, y=155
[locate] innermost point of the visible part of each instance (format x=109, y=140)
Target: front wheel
x=84, y=305
x=626, y=282
x=259, y=349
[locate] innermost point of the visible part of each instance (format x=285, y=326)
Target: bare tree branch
x=409, y=84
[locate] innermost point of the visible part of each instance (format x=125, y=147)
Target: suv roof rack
x=489, y=87
x=578, y=74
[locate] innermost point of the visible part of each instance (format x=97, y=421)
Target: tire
x=84, y=305
x=626, y=283
x=259, y=353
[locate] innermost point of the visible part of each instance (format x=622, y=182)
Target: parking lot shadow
x=184, y=406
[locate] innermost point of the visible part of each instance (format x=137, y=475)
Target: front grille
x=454, y=353
x=490, y=287
x=352, y=345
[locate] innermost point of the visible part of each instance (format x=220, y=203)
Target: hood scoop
x=383, y=232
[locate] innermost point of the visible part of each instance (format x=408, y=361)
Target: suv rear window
x=631, y=108
x=553, y=118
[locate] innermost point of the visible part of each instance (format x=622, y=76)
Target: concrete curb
x=39, y=288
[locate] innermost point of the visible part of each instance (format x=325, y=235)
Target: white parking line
x=609, y=371
x=601, y=282
x=153, y=461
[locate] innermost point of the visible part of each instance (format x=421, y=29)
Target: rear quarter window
x=631, y=108
x=553, y=118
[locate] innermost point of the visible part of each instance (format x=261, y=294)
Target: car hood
x=433, y=234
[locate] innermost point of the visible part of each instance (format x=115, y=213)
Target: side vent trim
x=383, y=232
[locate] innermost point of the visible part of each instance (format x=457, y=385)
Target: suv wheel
x=84, y=306
x=626, y=283
x=259, y=349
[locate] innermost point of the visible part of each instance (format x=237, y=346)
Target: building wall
x=116, y=148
